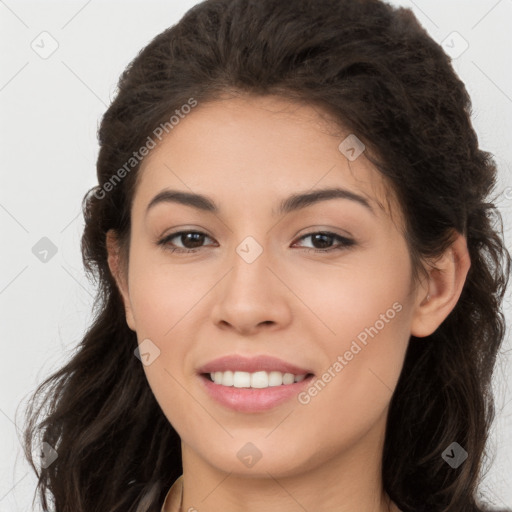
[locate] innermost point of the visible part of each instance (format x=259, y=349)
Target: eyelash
x=344, y=242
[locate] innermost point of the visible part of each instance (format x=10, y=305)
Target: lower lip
x=253, y=399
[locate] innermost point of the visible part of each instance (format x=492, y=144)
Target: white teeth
x=257, y=380
x=241, y=380
x=227, y=378
x=275, y=379
x=288, y=378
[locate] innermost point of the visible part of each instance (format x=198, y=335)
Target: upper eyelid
x=300, y=237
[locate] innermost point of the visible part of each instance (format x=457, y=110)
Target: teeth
x=257, y=380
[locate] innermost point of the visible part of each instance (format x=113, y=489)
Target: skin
x=247, y=154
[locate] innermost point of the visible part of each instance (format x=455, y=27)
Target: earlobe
x=443, y=287
x=114, y=263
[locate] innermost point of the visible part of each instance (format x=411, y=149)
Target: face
x=260, y=287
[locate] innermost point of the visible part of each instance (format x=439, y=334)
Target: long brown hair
x=376, y=70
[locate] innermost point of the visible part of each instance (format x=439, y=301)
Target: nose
x=252, y=297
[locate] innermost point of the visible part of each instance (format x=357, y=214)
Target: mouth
x=252, y=384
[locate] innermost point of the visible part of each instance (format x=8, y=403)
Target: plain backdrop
x=60, y=62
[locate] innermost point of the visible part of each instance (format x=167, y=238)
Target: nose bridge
x=251, y=295
x=249, y=250
x=249, y=267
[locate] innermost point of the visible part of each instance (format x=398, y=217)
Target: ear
x=442, y=289
x=119, y=275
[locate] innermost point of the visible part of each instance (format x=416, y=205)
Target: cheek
x=160, y=294
x=368, y=312
x=353, y=392
x=362, y=295
x=163, y=307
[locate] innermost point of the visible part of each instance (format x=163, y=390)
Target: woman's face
x=257, y=285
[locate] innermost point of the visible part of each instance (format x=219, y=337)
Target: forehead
x=258, y=148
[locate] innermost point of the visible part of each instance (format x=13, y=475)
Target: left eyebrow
x=304, y=199
x=292, y=203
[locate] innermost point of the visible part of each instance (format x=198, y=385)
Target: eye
x=191, y=240
x=324, y=240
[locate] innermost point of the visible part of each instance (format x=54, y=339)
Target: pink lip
x=251, y=399
x=251, y=365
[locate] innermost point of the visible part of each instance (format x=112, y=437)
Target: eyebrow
x=292, y=203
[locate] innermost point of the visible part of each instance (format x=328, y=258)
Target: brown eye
x=190, y=241
x=322, y=241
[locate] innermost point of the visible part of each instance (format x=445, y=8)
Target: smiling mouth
x=254, y=380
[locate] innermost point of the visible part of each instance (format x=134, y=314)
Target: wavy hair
x=379, y=74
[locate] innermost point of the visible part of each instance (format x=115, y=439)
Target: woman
x=300, y=278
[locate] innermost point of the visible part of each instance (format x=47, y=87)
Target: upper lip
x=251, y=365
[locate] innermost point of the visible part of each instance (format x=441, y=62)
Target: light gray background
x=50, y=110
